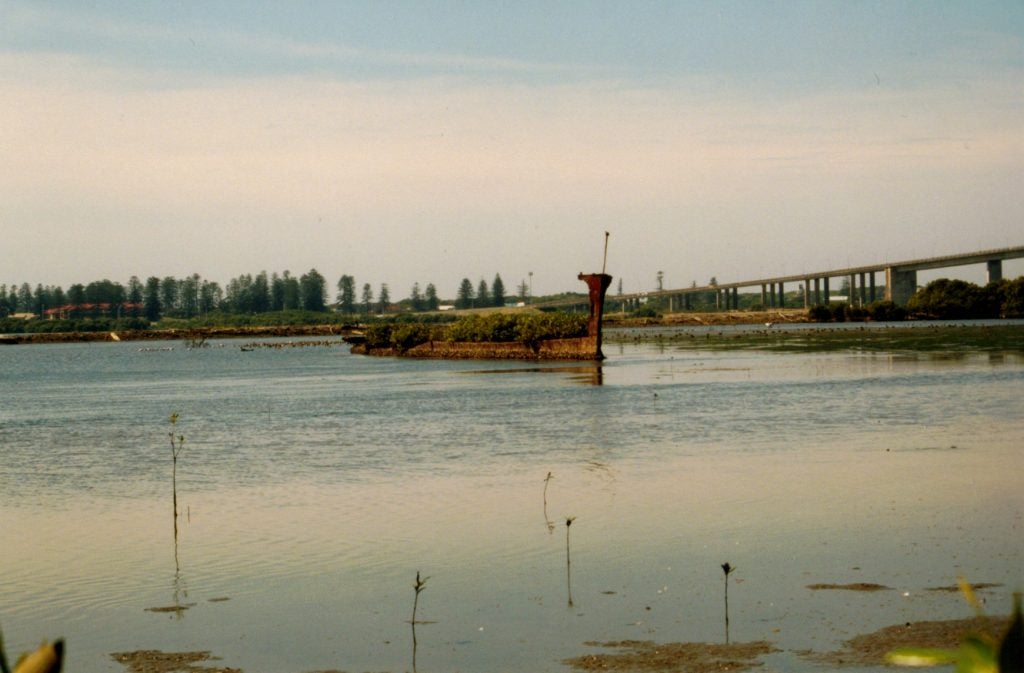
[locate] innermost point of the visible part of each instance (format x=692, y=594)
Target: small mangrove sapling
x=568, y=559
x=420, y=585
x=177, y=443
x=728, y=570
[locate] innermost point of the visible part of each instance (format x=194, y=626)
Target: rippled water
x=314, y=485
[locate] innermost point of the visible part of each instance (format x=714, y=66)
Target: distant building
x=67, y=310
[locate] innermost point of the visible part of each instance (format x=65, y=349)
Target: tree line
x=194, y=296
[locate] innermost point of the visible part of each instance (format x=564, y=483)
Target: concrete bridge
x=899, y=280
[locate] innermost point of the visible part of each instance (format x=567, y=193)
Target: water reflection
x=547, y=520
x=420, y=585
x=590, y=373
x=740, y=456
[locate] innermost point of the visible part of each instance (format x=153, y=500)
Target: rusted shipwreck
x=584, y=348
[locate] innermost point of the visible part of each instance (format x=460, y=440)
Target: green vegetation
x=530, y=329
x=942, y=299
x=979, y=652
x=957, y=299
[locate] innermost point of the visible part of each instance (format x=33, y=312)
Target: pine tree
x=465, y=296
x=367, y=297
x=415, y=298
x=497, y=291
x=433, y=303
x=347, y=294
x=483, y=296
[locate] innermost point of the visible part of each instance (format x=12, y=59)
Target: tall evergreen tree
x=210, y=297
x=169, y=295
x=483, y=295
x=497, y=291
x=58, y=297
x=433, y=303
x=313, y=288
x=367, y=298
x=260, y=293
x=415, y=298
x=151, y=303
x=189, y=295
x=25, y=299
x=292, y=293
x=464, y=299
x=134, y=296
x=276, y=293
x=384, y=300
x=76, y=298
x=42, y=300
x=347, y=294
x=524, y=291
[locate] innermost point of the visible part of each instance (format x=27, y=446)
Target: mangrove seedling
x=568, y=559
x=727, y=569
x=420, y=585
x=177, y=443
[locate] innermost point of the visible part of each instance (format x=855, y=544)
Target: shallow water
x=314, y=485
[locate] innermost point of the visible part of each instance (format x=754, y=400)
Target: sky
x=426, y=142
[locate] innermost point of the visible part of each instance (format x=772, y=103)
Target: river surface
x=313, y=485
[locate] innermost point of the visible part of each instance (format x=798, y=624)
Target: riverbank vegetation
x=286, y=301
x=942, y=299
x=526, y=328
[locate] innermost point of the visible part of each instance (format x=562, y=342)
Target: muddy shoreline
x=674, y=319
x=179, y=334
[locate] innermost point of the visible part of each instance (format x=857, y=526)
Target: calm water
x=314, y=485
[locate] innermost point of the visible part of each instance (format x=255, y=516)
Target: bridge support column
x=871, y=279
x=735, y=299
x=827, y=292
x=863, y=290
x=807, y=292
x=764, y=296
x=782, y=295
x=995, y=270
x=900, y=285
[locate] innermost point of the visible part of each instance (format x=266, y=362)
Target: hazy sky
x=405, y=142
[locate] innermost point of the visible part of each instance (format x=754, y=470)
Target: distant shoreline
x=689, y=319
x=178, y=334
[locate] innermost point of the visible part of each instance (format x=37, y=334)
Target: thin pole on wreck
x=604, y=263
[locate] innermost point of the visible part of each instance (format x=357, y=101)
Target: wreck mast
x=597, y=284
